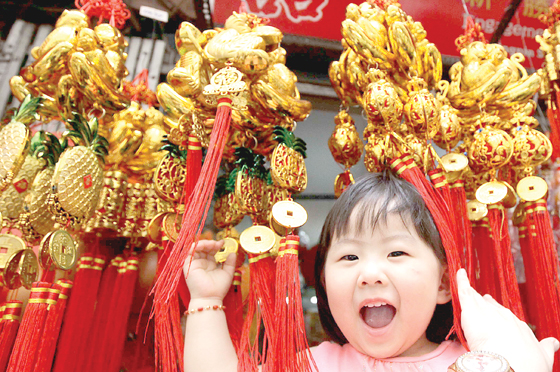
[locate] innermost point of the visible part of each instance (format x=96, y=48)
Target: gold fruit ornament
x=421, y=110
x=12, y=199
x=250, y=182
x=14, y=141
x=78, y=175
x=381, y=101
x=171, y=172
x=287, y=165
x=226, y=206
x=345, y=143
x=490, y=149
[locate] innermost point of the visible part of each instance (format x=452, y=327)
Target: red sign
x=444, y=20
x=21, y=185
x=88, y=182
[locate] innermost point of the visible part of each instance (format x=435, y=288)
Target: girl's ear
x=444, y=290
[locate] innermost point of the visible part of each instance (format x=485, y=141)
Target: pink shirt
x=331, y=357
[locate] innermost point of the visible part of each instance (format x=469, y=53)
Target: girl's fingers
x=550, y=345
x=229, y=264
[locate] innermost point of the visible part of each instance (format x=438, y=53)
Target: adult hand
x=489, y=326
x=205, y=278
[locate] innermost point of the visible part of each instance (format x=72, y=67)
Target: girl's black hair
x=375, y=196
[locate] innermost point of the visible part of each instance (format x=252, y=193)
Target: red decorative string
x=464, y=231
x=139, y=91
x=552, y=16
x=10, y=324
x=554, y=132
x=114, y=11
x=473, y=32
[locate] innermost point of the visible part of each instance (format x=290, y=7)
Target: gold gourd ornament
x=78, y=175
x=381, y=102
x=421, y=110
x=15, y=140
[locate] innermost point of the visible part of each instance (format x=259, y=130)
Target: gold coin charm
x=172, y=226
x=510, y=200
x=454, y=162
x=519, y=214
x=257, y=239
x=63, y=250
x=21, y=269
x=154, y=228
x=289, y=214
x=476, y=210
x=491, y=192
x=230, y=246
x=9, y=245
x=532, y=188
x=45, y=259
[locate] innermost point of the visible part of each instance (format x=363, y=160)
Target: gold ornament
x=345, y=143
x=257, y=239
x=287, y=165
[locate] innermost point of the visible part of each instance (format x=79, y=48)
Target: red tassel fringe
x=291, y=341
x=9, y=325
x=169, y=356
x=463, y=232
x=404, y=166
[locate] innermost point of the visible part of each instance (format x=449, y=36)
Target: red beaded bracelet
x=215, y=307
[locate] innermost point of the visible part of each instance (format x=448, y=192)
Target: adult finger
x=550, y=345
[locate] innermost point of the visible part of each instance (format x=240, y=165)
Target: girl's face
x=382, y=288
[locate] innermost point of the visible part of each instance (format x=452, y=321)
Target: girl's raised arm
x=208, y=346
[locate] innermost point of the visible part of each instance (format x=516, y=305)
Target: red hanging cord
x=114, y=11
x=473, y=32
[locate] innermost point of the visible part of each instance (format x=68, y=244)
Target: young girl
x=383, y=294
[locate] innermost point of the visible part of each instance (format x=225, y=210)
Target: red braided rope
x=138, y=90
x=473, y=32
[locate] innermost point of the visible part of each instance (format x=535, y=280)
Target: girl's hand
x=489, y=326
x=205, y=278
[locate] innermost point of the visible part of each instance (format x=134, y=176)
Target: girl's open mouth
x=378, y=315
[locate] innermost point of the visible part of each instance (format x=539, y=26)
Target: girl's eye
x=397, y=254
x=350, y=257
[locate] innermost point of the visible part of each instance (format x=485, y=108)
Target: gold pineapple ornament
x=250, y=184
x=14, y=140
x=171, y=172
x=78, y=176
x=226, y=205
x=287, y=165
x=12, y=199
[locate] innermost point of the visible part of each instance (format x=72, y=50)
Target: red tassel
x=122, y=313
x=10, y=325
x=233, y=303
x=93, y=357
x=485, y=281
x=441, y=212
x=260, y=308
x=52, y=328
x=79, y=314
x=28, y=339
x=503, y=260
x=169, y=355
x=464, y=231
x=541, y=271
x=554, y=132
x=291, y=340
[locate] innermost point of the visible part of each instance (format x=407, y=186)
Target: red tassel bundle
x=53, y=323
x=79, y=314
x=554, y=132
x=93, y=356
x=234, y=304
x=464, y=232
x=291, y=341
x=485, y=279
x=9, y=325
x=441, y=213
x=28, y=339
x=169, y=355
x=541, y=271
x=260, y=308
x=503, y=260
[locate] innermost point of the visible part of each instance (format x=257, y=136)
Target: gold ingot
x=491, y=192
x=454, y=162
x=476, y=210
x=63, y=250
x=172, y=225
x=532, y=188
x=9, y=244
x=154, y=228
x=257, y=239
x=510, y=200
x=230, y=246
